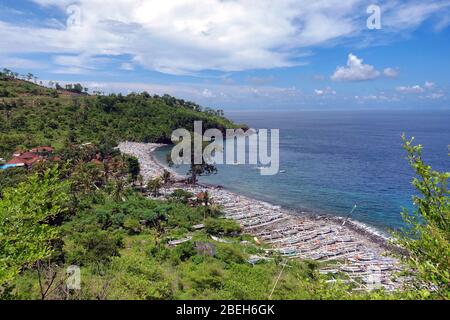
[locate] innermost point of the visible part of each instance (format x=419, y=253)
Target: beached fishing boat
x=175, y=243
x=349, y=268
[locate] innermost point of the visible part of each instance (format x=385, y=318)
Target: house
x=17, y=153
x=29, y=158
x=42, y=150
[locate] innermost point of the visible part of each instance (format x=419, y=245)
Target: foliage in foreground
x=26, y=216
x=428, y=238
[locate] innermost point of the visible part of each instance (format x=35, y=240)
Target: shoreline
x=360, y=250
x=377, y=235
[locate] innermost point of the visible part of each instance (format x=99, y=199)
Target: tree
x=7, y=72
x=78, y=88
x=166, y=177
x=154, y=186
x=118, y=191
x=427, y=239
x=86, y=178
x=26, y=215
x=196, y=170
x=133, y=167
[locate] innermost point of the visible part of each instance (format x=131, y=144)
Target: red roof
x=28, y=158
x=202, y=196
x=42, y=149
x=15, y=160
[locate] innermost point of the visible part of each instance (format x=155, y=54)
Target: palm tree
x=166, y=177
x=119, y=189
x=140, y=181
x=154, y=186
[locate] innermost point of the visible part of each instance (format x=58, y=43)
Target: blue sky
x=238, y=54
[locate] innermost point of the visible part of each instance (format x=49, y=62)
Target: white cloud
x=380, y=98
x=19, y=63
x=429, y=84
x=391, y=73
x=260, y=80
x=208, y=93
x=323, y=92
x=355, y=70
x=127, y=66
x=364, y=98
x=201, y=93
x=188, y=36
x=411, y=89
x=318, y=92
x=410, y=14
x=435, y=96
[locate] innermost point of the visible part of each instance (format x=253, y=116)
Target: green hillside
x=32, y=115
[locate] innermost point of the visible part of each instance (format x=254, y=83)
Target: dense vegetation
x=33, y=115
x=120, y=240
x=89, y=208
x=428, y=239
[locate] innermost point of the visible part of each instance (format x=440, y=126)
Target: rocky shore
x=351, y=249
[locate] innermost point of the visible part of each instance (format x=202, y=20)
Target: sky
x=239, y=54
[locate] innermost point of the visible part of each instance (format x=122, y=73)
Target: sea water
x=336, y=159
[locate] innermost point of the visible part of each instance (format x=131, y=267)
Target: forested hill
x=33, y=115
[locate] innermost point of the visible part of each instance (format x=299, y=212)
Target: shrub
x=183, y=252
x=93, y=247
x=132, y=225
x=221, y=226
x=230, y=254
x=428, y=237
x=180, y=195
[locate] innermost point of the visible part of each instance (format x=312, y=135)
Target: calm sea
x=336, y=159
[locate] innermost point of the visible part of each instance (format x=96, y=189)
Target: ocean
x=335, y=160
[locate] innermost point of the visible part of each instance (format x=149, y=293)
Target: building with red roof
x=42, y=149
x=29, y=158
